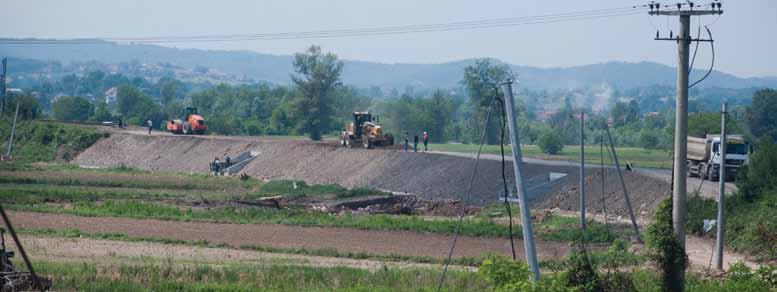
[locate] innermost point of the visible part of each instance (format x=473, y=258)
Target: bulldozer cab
x=189, y=111
x=359, y=118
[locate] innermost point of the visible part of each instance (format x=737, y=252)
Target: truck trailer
x=704, y=156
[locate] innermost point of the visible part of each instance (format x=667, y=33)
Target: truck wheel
x=187, y=128
x=366, y=143
x=689, y=168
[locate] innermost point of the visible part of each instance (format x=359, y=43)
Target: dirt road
x=707, y=189
x=285, y=236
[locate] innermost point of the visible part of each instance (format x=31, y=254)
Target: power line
x=464, y=202
x=391, y=30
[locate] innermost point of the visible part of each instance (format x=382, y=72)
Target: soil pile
x=429, y=175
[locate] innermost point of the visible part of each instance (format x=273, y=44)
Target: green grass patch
x=639, y=157
x=163, y=276
x=40, y=141
x=750, y=222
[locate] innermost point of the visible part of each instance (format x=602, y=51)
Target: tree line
x=317, y=103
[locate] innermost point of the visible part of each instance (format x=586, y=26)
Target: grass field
x=638, y=157
x=138, y=194
x=158, y=275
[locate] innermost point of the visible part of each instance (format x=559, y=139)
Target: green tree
x=550, y=142
x=700, y=124
x=101, y=112
x=760, y=174
x=72, y=108
x=439, y=110
x=136, y=107
x=29, y=108
x=482, y=81
x=317, y=75
x=761, y=116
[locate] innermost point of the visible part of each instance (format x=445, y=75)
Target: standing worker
x=415, y=143
x=406, y=141
x=150, y=125
x=426, y=141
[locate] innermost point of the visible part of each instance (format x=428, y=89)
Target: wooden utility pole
x=722, y=192
x=679, y=192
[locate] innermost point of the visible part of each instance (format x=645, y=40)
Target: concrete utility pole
x=528, y=235
x=623, y=185
x=13, y=132
x=722, y=193
x=2, y=87
x=582, y=172
x=679, y=192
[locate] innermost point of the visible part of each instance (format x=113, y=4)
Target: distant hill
x=276, y=68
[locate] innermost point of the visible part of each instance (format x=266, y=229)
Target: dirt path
x=285, y=236
x=700, y=251
x=109, y=252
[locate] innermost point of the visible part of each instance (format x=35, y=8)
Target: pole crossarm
x=677, y=39
x=685, y=12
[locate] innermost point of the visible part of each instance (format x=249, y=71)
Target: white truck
x=704, y=156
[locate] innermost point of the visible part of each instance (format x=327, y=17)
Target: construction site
x=130, y=167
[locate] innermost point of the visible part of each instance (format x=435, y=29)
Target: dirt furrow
x=285, y=236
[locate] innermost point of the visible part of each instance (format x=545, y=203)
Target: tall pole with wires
x=2, y=87
x=722, y=191
x=683, y=39
x=528, y=235
x=582, y=172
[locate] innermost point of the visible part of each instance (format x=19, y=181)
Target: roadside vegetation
x=165, y=276
x=750, y=224
x=42, y=141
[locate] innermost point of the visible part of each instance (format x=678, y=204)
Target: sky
x=744, y=35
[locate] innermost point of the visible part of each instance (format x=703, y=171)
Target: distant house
x=110, y=95
x=14, y=91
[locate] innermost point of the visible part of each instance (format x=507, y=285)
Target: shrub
x=550, y=143
x=665, y=250
x=760, y=174
x=511, y=276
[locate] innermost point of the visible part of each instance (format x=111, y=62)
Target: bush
x=513, y=276
x=37, y=141
x=760, y=174
x=72, y=108
x=550, y=143
x=665, y=250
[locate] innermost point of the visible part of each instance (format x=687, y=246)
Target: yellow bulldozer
x=365, y=131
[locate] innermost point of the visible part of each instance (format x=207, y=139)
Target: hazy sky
x=745, y=34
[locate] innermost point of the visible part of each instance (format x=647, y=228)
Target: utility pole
x=528, y=236
x=679, y=192
x=582, y=172
x=722, y=194
x=623, y=184
x=2, y=87
x=13, y=131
